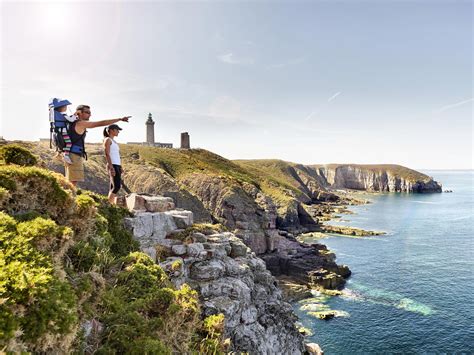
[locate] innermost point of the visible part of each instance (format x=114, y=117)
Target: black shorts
x=116, y=181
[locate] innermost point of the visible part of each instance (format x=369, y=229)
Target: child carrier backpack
x=57, y=123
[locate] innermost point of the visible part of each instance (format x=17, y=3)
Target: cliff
x=230, y=279
x=72, y=278
x=79, y=249
x=385, y=178
x=315, y=182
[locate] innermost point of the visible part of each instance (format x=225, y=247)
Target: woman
x=112, y=154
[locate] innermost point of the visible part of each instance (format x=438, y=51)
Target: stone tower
x=185, y=141
x=150, y=130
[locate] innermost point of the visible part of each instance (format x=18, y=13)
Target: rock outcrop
x=147, y=179
x=386, y=178
x=229, y=277
x=307, y=264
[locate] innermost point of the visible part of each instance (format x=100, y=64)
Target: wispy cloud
x=231, y=58
x=313, y=113
x=334, y=96
x=294, y=61
x=449, y=107
x=318, y=110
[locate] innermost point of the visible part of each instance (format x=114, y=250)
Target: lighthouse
x=150, y=130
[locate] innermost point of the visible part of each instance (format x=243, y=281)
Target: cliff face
x=386, y=178
x=230, y=278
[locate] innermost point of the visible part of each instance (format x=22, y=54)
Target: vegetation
x=72, y=279
x=15, y=154
x=178, y=163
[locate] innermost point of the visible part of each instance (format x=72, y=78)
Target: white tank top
x=114, y=152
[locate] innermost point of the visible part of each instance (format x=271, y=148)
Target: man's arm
x=81, y=125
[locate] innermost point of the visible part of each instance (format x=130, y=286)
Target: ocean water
x=412, y=290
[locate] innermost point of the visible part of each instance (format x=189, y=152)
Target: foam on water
x=388, y=298
x=411, y=293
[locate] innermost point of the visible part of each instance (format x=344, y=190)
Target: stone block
x=182, y=215
x=207, y=270
x=194, y=249
x=142, y=203
x=179, y=249
x=198, y=237
x=162, y=225
x=141, y=225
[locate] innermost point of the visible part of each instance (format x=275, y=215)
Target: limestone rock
x=179, y=249
x=194, y=249
x=235, y=282
x=207, y=270
x=182, y=218
x=147, y=203
x=314, y=349
x=237, y=248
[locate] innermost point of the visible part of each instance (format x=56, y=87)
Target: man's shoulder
x=79, y=127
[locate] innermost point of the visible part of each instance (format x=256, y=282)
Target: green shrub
x=212, y=332
x=35, y=189
x=141, y=310
x=35, y=300
x=85, y=205
x=122, y=240
x=44, y=234
x=15, y=154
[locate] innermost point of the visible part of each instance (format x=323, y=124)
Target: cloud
x=230, y=58
x=449, y=107
x=318, y=110
x=334, y=96
x=294, y=61
x=314, y=112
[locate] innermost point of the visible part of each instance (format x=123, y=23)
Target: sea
x=412, y=290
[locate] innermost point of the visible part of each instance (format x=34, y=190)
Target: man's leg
x=75, y=171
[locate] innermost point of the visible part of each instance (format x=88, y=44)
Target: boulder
x=238, y=248
x=314, y=349
x=179, y=249
x=182, y=218
x=207, y=270
x=194, y=249
x=147, y=203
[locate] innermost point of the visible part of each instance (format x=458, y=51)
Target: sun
x=57, y=16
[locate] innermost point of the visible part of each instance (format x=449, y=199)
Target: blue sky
x=310, y=82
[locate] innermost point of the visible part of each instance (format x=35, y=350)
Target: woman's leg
x=115, y=184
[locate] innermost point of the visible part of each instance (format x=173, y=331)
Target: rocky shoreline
x=266, y=205
x=252, y=290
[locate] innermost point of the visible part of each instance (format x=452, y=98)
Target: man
x=78, y=130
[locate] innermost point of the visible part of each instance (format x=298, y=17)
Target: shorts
x=116, y=181
x=75, y=171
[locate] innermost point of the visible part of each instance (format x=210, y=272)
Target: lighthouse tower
x=150, y=130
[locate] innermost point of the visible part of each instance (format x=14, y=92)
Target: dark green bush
x=15, y=154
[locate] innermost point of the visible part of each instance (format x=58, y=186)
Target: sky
x=312, y=82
